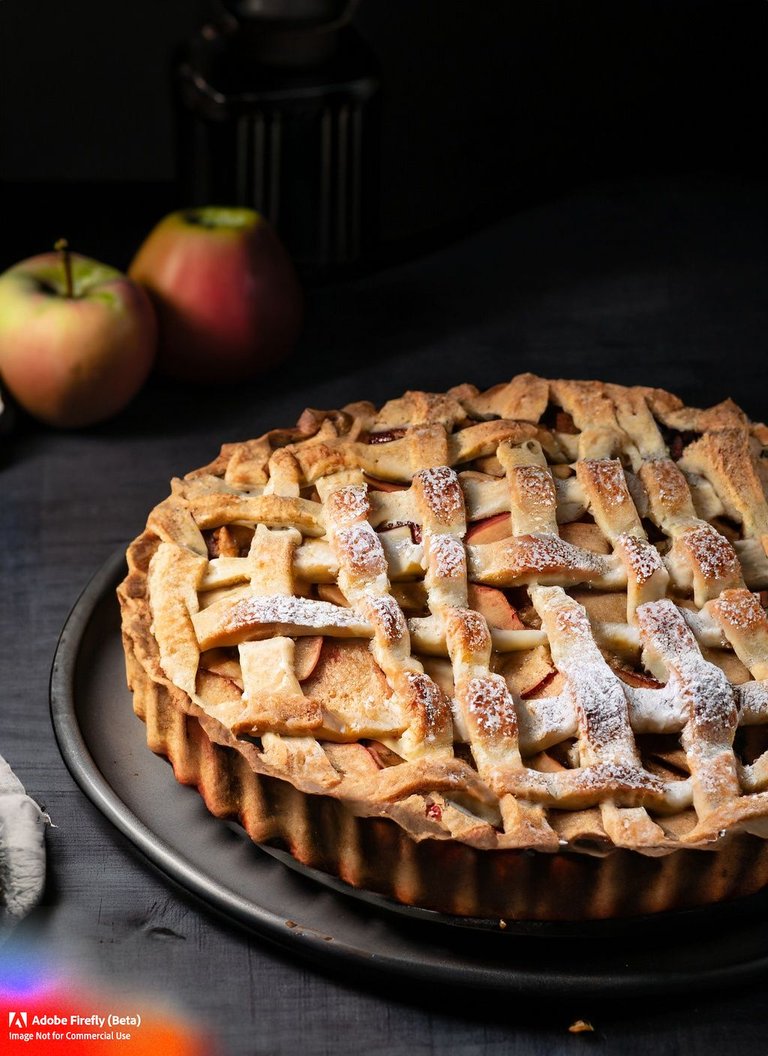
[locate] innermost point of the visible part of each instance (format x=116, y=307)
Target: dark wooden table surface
x=663, y=284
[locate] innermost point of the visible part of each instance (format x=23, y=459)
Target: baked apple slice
x=306, y=653
x=490, y=530
x=492, y=604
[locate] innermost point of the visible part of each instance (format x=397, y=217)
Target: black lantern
x=279, y=112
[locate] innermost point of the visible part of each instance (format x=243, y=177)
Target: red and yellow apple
x=227, y=298
x=77, y=338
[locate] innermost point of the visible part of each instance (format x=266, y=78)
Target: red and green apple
x=77, y=338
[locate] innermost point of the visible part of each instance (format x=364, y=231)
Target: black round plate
x=103, y=744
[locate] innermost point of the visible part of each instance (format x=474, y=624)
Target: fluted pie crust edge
x=377, y=855
x=472, y=873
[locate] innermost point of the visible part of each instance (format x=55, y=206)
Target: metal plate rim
x=309, y=944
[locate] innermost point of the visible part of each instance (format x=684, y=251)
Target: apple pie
x=499, y=654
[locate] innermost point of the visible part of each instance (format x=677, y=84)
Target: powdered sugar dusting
x=671, y=486
x=442, y=493
x=363, y=550
x=608, y=477
x=740, y=609
x=386, y=617
x=617, y=778
x=349, y=504
x=447, y=556
x=643, y=559
x=542, y=552
x=545, y=721
x=430, y=700
x=488, y=700
x=474, y=630
x=710, y=697
x=753, y=701
x=286, y=610
x=536, y=486
x=602, y=707
x=712, y=552
x=662, y=626
x=573, y=624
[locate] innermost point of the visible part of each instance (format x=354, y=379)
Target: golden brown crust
x=377, y=855
x=472, y=730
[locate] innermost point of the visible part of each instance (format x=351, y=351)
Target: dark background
x=487, y=107
x=597, y=168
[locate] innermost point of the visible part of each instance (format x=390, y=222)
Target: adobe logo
x=17, y=1019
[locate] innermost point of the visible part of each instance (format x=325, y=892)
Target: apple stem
x=66, y=260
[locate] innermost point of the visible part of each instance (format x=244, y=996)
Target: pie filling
x=527, y=619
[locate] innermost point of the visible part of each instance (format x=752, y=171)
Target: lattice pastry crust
x=530, y=618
